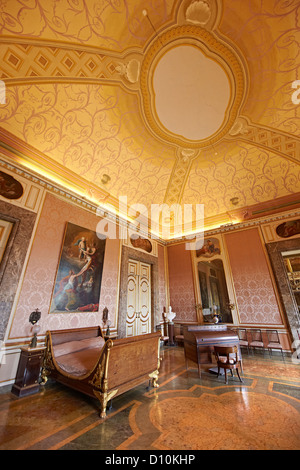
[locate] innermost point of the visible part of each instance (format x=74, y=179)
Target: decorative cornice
x=85, y=204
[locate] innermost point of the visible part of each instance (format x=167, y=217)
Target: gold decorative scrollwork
x=47, y=364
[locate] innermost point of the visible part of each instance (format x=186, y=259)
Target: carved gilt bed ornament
x=100, y=381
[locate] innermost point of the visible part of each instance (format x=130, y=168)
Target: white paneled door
x=138, y=320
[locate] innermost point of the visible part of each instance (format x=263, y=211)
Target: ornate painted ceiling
x=160, y=101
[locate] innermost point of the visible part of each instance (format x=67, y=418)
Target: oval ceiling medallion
x=191, y=93
x=192, y=87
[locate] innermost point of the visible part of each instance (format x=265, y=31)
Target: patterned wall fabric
x=251, y=276
x=41, y=270
x=182, y=297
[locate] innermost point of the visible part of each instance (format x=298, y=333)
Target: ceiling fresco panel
x=87, y=99
x=110, y=25
x=268, y=35
x=242, y=171
x=92, y=131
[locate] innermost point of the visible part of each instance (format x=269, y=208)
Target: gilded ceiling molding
x=244, y=225
x=180, y=173
x=214, y=48
x=22, y=152
x=23, y=63
x=68, y=194
x=279, y=142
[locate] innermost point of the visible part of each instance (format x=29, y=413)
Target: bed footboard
x=118, y=366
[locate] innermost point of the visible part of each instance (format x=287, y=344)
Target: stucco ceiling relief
x=284, y=144
x=164, y=101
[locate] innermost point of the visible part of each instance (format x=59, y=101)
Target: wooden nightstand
x=28, y=373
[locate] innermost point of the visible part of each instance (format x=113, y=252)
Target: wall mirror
x=213, y=291
x=292, y=265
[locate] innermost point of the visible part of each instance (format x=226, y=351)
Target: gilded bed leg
x=154, y=377
x=47, y=364
x=44, y=378
x=104, y=398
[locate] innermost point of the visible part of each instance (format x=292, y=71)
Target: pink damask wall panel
x=40, y=274
x=161, y=279
x=181, y=284
x=253, y=285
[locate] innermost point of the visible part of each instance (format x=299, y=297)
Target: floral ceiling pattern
x=71, y=96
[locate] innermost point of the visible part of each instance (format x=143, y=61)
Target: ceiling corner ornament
x=240, y=127
x=211, y=53
x=198, y=12
x=130, y=70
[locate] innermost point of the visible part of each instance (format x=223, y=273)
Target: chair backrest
x=273, y=336
x=231, y=353
x=256, y=335
x=242, y=334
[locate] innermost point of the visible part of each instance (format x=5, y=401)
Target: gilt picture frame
x=78, y=279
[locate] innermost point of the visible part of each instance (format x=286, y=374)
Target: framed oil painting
x=288, y=229
x=79, y=274
x=10, y=188
x=210, y=248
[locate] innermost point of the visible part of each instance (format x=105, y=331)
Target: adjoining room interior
x=149, y=214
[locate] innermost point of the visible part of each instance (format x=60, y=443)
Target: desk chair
x=227, y=359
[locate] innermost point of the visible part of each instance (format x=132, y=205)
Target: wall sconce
x=33, y=319
x=104, y=316
x=106, y=321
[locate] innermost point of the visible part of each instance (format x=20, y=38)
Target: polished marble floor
x=184, y=413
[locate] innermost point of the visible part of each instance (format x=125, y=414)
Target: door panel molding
x=155, y=314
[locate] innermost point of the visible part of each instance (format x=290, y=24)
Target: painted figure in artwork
x=79, y=275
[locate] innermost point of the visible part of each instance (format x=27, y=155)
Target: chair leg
x=241, y=380
x=226, y=380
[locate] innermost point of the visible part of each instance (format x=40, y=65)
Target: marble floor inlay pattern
x=184, y=413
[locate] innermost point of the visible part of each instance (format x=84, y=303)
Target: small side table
x=27, y=378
